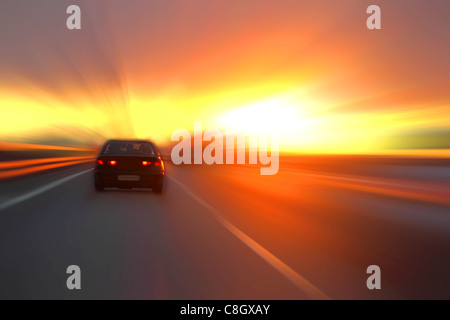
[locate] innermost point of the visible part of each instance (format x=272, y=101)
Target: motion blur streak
x=13, y=146
x=18, y=159
x=23, y=163
x=303, y=284
x=425, y=191
x=24, y=171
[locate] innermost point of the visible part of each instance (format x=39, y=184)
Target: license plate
x=128, y=178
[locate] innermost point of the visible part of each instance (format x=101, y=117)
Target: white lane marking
x=29, y=195
x=300, y=282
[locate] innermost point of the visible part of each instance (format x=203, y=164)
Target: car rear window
x=137, y=148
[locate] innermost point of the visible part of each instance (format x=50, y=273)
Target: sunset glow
x=260, y=69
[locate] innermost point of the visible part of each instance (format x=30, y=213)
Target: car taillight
x=113, y=162
x=160, y=164
x=146, y=163
x=100, y=162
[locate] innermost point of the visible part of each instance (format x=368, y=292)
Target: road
x=225, y=232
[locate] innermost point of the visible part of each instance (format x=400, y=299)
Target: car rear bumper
x=113, y=179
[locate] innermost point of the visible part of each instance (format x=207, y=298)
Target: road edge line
x=299, y=281
x=45, y=188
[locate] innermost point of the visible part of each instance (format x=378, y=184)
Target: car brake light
x=157, y=163
x=100, y=162
x=113, y=162
x=146, y=163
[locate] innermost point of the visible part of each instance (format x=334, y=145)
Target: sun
x=306, y=127
x=273, y=116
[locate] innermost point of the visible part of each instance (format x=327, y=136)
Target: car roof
x=128, y=140
x=102, y=150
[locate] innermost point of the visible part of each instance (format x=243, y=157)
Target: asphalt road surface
x=221, y=232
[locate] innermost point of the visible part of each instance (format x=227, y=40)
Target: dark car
x=129, y=164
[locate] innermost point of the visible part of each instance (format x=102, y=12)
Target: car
x=128, y=164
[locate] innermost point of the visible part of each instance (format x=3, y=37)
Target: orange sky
x=308, y=70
